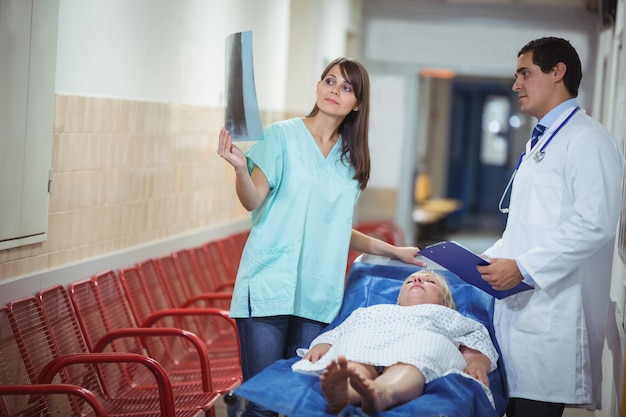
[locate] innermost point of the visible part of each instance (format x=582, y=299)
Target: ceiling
x=578, y=4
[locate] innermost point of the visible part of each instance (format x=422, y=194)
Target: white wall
x=388, y=124
x=464, y=47
x=168, y=51
x=318, y=34
x=611, y=107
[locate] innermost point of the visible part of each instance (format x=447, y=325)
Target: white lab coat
x=561, y=228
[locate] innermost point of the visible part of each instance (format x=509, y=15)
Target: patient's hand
x=479, y=372
x=478, y=365
x=317, y=351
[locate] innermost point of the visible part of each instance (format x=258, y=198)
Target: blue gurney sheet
x=295, y=394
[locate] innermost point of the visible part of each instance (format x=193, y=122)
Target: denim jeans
x=264, y=340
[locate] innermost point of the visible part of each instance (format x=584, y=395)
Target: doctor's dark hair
x=547, y=52
x=354, y=127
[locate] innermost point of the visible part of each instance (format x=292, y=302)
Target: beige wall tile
x=127, y=173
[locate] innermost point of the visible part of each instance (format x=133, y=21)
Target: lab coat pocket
x=534, y=313
x=542, y=203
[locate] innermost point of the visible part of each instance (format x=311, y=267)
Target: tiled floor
x=221, y=411
x=478, y=233
x=477, y=243
x=220, y=408
x=575, y=412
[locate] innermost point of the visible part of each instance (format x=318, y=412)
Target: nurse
x=559, y=238
x=301, y=183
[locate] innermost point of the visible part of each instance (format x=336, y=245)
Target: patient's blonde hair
x=440, y=281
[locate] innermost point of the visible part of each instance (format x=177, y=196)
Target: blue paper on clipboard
x=462, y=262
x=242, y=118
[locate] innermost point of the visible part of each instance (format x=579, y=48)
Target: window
x=495, y=126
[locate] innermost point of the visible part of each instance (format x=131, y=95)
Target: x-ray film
x=242, y=119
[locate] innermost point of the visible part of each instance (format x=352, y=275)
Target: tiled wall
x=127, y=173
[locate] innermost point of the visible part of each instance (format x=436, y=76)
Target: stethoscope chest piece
x=538, y=157
x=542, y=152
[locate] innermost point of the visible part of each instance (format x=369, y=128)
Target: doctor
x=559, y=238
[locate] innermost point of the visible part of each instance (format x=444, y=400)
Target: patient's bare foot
x=334, y=384
x=374, y=398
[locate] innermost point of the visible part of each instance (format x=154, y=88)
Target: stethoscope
x=538, y=157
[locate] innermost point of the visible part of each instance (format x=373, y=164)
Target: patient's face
x=420, y=289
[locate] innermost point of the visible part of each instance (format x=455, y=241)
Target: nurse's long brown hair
x=354, y=128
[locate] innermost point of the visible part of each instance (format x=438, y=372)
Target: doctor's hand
x=229, y=151
x=502, y=274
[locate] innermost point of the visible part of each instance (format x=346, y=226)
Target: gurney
x=296, y=394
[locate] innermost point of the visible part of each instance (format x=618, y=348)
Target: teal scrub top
x=294, y=261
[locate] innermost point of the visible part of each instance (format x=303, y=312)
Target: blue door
x=481, y=155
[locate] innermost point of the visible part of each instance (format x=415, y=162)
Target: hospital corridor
x=155, y=264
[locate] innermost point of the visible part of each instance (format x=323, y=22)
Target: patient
x=383, y=355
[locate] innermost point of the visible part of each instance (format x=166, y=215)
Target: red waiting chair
x=223, y=270
x=54, y=344
x=107, y=323
x=21, y=394
x=192, y=289
x=152, y=305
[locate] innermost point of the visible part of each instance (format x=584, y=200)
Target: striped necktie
x=537, y=131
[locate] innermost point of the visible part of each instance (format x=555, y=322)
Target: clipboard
x=462, y=262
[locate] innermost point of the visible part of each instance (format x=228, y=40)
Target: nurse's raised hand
x=229, y=151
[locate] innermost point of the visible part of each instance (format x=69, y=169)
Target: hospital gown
x=427, y=336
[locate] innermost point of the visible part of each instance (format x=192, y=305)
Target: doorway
x=482, y=151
